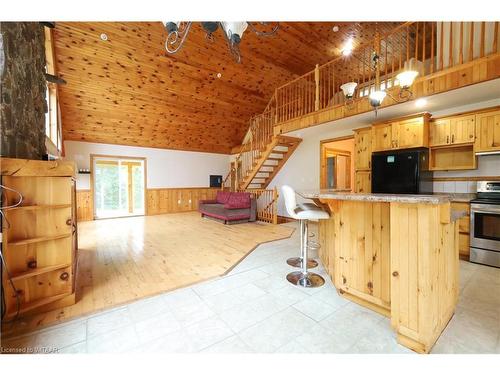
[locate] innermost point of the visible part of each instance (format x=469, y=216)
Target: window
x=52, y=117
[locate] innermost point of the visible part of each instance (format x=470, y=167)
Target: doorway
x=118, y=186
x=336, y=169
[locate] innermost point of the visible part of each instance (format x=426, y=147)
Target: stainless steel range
x=485, y=224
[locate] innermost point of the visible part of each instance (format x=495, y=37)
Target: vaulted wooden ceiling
x=128, y=90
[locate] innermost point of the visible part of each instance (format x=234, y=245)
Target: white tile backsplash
x=438, y=187
x=461, y=186
x=449, y=187
x=454, y=186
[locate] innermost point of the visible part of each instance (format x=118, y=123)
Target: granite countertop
x=459, y=197
x=388, y=198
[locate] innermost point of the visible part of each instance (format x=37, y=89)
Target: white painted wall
x=302, y=170
x=165, y=168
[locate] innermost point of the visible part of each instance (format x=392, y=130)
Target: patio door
x=119, y=186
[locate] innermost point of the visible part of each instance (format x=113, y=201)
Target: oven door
x=485, y=226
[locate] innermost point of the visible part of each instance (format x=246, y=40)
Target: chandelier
x=404, y=79
x=233, y=31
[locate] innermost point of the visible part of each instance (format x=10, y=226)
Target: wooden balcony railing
x=428, y=47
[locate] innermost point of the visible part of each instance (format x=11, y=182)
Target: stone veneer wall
x=22, y=90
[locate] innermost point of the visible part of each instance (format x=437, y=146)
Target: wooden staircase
x=268, y=162
x=262, y=153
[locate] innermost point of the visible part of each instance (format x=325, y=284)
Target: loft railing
x=428, y=47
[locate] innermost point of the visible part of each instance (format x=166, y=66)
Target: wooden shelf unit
x=39, y=236
x=452, y=157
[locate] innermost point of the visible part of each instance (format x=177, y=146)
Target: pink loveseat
x=230, y=208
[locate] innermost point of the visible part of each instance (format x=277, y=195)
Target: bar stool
x=311, y=245
x=303, y=213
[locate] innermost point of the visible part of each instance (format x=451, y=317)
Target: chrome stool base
x=297, y=262
x=305, y=280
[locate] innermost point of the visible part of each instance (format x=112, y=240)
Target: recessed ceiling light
x=219, y=75
x=421, y=102
x=347, y=48
x=335, y=29
x=104, y=37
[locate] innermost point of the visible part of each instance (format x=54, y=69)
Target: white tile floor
x=254, y=309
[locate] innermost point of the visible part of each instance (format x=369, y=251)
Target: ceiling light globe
x=376, y=98
x=406, y=78
x=348, y=89
x=235, y=30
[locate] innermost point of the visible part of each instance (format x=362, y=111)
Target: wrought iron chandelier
x=404, y=80
x=233, y=31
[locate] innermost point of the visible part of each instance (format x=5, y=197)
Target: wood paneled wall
x=84, y=209
x=158, y=201
x=169, y=200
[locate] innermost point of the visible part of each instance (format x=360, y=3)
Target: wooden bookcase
x=39, y=236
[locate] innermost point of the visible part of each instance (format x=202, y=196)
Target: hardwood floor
x=121, y=260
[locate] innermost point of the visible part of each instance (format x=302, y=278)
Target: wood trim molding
x=467, y=178
x=477, y=111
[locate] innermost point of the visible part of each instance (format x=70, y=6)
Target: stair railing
x=267, y=204
x=260, y=134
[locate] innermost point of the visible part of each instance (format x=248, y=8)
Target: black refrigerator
x=401, y=172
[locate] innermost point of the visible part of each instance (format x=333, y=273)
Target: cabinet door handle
x=447, y=139
x=452, y=138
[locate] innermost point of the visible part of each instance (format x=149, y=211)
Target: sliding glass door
x=118, y=187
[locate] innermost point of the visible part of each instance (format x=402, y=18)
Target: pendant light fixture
x=348, y=89
x=233, y=32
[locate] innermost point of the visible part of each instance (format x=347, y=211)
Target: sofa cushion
x=222, y=196
x=238, y=200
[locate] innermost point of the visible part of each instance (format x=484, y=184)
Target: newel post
x=275, y=205
x=316, y=79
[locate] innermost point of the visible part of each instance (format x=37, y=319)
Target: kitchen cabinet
x=362, y=149
x=363, y=182
x=452, y=130
x=410, y=132
x=488, y=131
x=383, y=137
x=439, y=132
x=463, y=228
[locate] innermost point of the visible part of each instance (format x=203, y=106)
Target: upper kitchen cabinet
x=409, y=132
x=488, y=131
x=413, y=132
x=363, y=148
x=382, y=138
x=452, y=130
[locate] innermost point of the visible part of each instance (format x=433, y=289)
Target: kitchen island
x=395, y=254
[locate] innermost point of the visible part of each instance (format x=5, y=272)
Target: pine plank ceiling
x=127, y=90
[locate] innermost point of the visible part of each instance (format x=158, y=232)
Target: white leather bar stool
x=303, y=213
